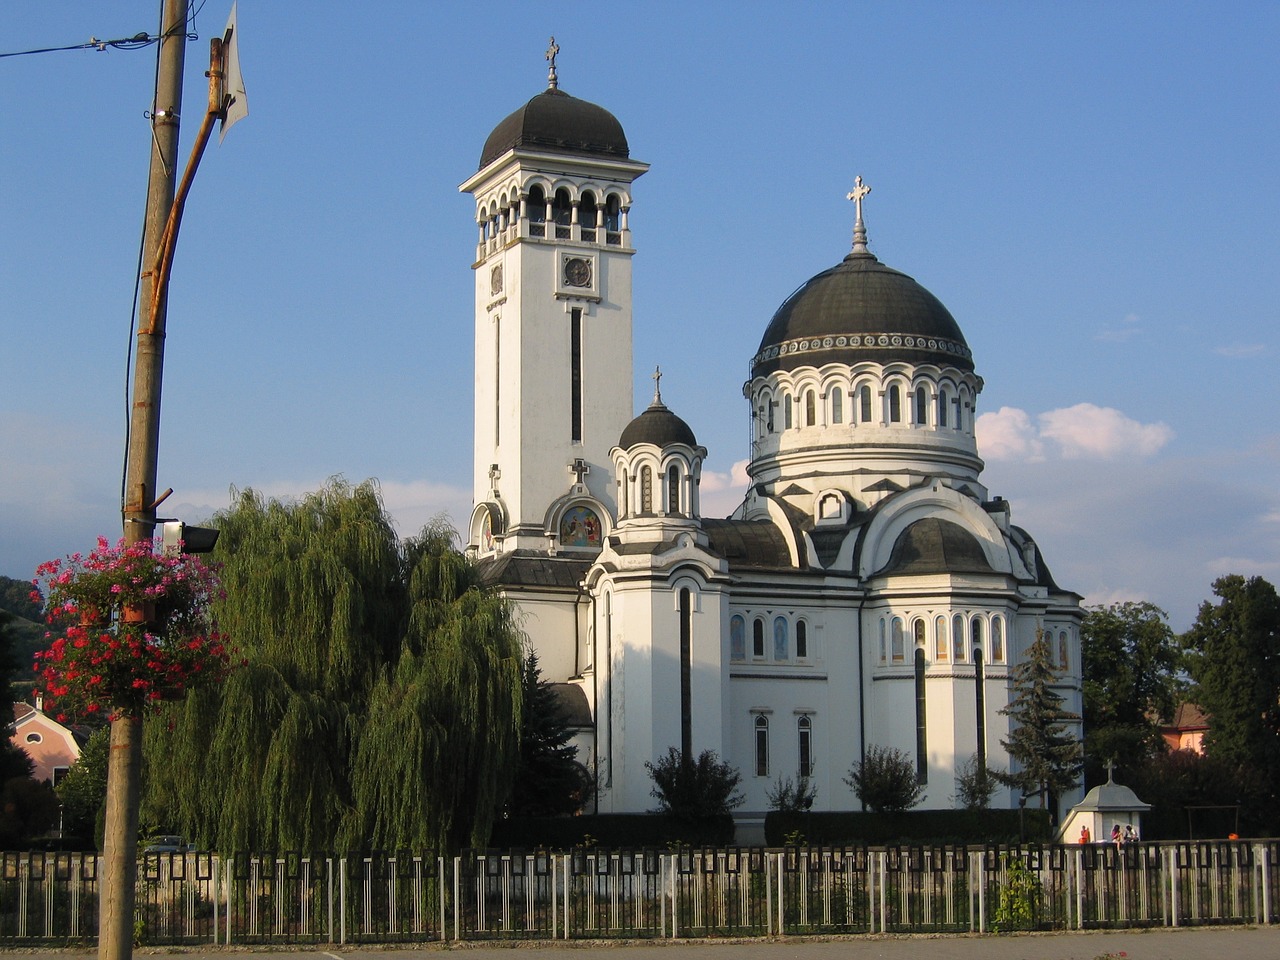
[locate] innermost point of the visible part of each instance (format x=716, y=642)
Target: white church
x=867, y=592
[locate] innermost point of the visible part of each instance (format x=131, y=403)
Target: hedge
x=618, y=830
x=912, y=826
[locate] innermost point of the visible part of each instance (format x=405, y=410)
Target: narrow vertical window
x=864, y=401
x=942, y=409
x=895, y=404
x=757, y=637
x=781, y=640
x=786, y=411
x=497, y=380
x=922, y=740
x=882, y=640
x=673, y=489
x=804, y=728
x=917, y=631
x=737, y=638
x=1064, y=661
x=762, y=746
x=957, y=637
x=997, y=640
x=810, y=409
x=626, y=493
x=837, y=405
x=802, y=640
x=575, y=375
x=921, y=405
x=686, y=676
x=899, y=653
x=941, y=648
x=769, y=414
x=980, y=708
x=646, y=489
x=975, y=635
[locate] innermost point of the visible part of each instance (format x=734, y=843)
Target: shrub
x=694, y=790
x=885, y=780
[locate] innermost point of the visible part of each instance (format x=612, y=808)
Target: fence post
x=342, y=900
x=1262, y=853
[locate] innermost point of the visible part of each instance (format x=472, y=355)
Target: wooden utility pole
x=120, y=869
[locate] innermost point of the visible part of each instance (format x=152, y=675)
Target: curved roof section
x=659, y=426
x=861, y=310
x=748, y=543
x=559, y=123
x=934, y=545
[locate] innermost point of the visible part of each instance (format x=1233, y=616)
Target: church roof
x=861, y=310
x=659, y=426
x=748, y=543
x=1111, y=796
x=527, y=569
x=573, y=704
x=934, y=545
x=556, y=122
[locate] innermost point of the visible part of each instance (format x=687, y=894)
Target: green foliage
x=1042, y=741
x=549, y=780
x=380, y=701
x=885, y=780
x=1233, y=655
x=1180, y=779
x=1018, y=906
x=788, y=796
x=610, y=831
x=83, y=791
x=1130, y=665
x=14, y=761
x=15, y=597
x=975, y=783
x=701, y=789
x=833, y=828
x=28, y=809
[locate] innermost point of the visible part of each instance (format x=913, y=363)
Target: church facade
x=867, y=592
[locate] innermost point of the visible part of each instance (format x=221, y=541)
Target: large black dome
x=861, y=310
x=659, y=426
x=555, y=121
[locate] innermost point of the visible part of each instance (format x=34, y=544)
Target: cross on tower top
x=552, y=50
x=859, y=191
x=657, y=386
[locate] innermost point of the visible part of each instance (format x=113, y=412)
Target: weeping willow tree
x=379, y=698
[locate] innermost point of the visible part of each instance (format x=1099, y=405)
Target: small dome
x=861, y=310
x=555, y=121
x=659, y=426
x=933, y=545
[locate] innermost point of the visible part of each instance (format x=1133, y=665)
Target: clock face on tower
x=577, y=272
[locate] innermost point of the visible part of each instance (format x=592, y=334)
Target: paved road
x=1213, y=943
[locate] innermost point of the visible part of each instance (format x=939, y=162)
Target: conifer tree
x=1042, y=742
x=549, y=780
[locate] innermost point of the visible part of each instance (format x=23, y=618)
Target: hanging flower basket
x=130, y=630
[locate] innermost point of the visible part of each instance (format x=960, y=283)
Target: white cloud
x=1082, y=432
x=1128, y=329
x=720, y=493
x=1090, y=431
x=1240, y=351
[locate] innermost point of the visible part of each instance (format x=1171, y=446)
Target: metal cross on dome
x=552, y=50
x=657, y=386
x=859, y=191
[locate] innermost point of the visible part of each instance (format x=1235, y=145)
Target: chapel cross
x=551, y=58
x=579, y=469
x=657, y=385
x=859, y=191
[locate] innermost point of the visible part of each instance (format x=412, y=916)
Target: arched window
x=837, y=405
x=757, y=637
x=883, y=653
x=957, y=638
x=770, y=407
x=626, y=493
x=895, y=404
x=762, y=746
x=997, y=640
x=940, y=644
x=781, y=639
x=804, y=728
x=802, y=640
x=536, y=207
x=975, y=634
x=646, y=489
x=922, y=739
x=864, y=402
x=786, y=411
x=955, y=406
x=737, y=638
x=1064, y=661
x=899, y=654
x=613, y=214
x=673, y=489
x=917, y=632
x=943, y=403
x=921, y=405
x=587, y=216
x=561, y=210
x=810, y=409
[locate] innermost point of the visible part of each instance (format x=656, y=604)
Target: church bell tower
x=553, y=363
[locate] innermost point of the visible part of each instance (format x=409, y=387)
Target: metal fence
x=598, y=894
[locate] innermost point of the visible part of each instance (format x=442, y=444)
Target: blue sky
x=1088, y=187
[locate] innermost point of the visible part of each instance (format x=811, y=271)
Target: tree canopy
x=1130, y=661
x=1042, y=742
x=379, y=705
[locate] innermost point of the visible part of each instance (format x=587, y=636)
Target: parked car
x=166, y=844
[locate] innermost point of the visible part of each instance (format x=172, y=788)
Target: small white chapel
x=867, y=592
